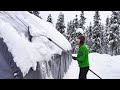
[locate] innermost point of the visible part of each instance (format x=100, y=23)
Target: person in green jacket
x=82, y=57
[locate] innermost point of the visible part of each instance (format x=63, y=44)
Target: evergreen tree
x=49, y=19
x=114, y=33
x=96, y=18
x=89, y=39
x=60, y=26
x=75, y=27
x=36, y=13
x=119, y=33
x=71, y=35
x=82, y=20
x=102, y=32
x=105, y=36
x=76, y=23
x=119, y=17
x=96, y=47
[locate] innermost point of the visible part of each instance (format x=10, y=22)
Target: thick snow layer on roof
x=37, y=27
x=25, y=53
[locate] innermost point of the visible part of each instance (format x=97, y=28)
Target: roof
x=13, y=29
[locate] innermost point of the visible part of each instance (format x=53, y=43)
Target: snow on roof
x=37, y=26
x=25, y=53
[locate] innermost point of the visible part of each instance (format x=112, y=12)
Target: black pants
x=83, y=73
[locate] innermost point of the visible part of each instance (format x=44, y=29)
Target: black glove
x=75, y=58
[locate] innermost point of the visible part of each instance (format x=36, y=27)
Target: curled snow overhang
x=15, y=23
x=20, y=20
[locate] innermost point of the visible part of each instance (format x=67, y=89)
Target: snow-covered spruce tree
x=114, y=33
x=49, y=19
x=76, y=26
x=82, y=23
x=71, y=32
x=76, y=22
x=102, y=32
x=119, y=17
x=119, y=33
x=82, y=20
x=60, y=25
x=96, y=47
x=105, y=36
x=89, y=39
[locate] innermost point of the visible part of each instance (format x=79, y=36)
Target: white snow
x=106, y=66
x=37, y=27
x=73, y=71
x=25, y=53
x=79, y=30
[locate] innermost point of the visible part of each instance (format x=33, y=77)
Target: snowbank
x=106, y=66
x=14, y=28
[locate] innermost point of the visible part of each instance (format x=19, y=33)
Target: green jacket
x=82, y=56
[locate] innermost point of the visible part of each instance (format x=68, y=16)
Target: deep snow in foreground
x=106, y=66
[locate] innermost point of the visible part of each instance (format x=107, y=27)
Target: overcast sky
x=70, y=15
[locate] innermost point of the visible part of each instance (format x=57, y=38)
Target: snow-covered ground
x=106, y=66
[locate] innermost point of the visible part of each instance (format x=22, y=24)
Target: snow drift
x=104, y=65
